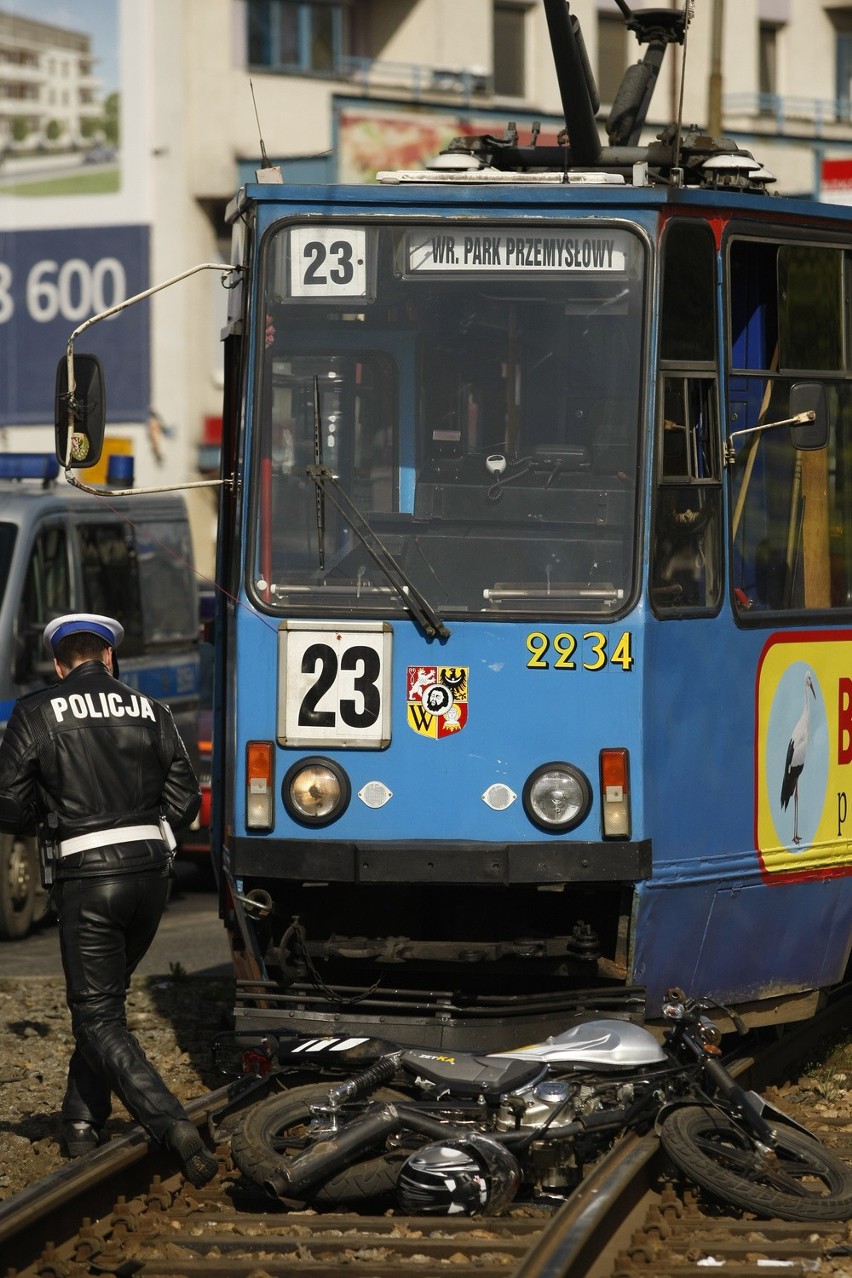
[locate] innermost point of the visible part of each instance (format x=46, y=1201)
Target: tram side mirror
x=89, y=412
x=809, y=397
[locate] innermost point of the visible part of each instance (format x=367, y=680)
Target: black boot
x=79, y=1139
x=196, y=1162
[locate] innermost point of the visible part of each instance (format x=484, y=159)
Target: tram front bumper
x=330, y=861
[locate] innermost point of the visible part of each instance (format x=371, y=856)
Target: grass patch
x=101, y=182
x=831, y=1070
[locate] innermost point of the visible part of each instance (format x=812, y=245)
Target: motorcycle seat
x=471, y=1076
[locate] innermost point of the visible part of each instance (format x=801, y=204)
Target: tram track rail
x=124, y=1210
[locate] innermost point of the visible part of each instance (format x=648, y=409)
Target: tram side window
x=686, y=568
x=688, y=313
x=791, y=506
x=686, y=564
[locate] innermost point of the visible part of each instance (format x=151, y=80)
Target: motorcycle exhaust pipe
x=417, y=1121
x=319, y=1163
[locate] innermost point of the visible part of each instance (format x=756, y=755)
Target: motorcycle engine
x=567, y=1099
x=557, y=1163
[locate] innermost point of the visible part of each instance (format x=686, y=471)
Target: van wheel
x=19, y=882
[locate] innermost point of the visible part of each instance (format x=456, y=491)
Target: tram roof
x=525, y=195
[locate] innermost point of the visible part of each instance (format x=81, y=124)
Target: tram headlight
x=557, y=797
x=316, y=791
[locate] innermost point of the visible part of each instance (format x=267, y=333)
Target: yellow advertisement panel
x=803, y=755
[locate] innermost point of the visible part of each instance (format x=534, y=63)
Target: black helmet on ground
x=473, y=1176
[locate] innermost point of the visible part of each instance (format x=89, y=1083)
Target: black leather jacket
x=96, y=752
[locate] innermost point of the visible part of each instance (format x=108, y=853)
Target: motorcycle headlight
x=316, y=791
x=557, y=797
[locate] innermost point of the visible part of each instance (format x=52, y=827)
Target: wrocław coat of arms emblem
x=437, y=700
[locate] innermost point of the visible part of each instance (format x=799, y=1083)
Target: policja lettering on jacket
x=111, y=707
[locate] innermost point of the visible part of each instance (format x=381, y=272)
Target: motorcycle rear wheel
x=280, y=1127
x=801, y=1180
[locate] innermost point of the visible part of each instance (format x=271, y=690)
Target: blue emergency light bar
x=28, y=466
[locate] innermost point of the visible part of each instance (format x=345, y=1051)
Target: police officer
x=105, y=768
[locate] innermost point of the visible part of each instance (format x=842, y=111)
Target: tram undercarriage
x=461, y=965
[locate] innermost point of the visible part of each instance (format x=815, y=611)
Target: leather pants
x=106, y=925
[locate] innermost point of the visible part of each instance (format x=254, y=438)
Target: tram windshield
x=476, y=395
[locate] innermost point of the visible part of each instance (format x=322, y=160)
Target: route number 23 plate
x=334, y=685
x=328, y=261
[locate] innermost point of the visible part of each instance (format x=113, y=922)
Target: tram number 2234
x=592, y=651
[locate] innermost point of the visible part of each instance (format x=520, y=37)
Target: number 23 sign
x=334, y=684
x=328, y=261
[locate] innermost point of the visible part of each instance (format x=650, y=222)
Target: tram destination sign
x=562, y=251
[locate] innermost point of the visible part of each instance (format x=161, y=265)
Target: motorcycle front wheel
x=799, y=1180
x=283, y=1125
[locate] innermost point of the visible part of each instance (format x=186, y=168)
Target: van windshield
x=477, y=398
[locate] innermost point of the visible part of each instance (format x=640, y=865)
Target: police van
x=65, y=550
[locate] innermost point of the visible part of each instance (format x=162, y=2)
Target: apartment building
x=49, y=93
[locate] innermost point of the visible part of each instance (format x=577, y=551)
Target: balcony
x=454, y=82
x=16, y=73
x=790, y=116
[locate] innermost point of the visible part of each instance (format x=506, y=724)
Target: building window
x=767, y=66
x=844, y=73
x=612, y=55
x=767, y=69
x=841, y=20
x=509, y=50
x=297, y=35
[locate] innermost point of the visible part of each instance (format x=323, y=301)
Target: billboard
x=50, y=282
x=74, y=230
x=836, y=181
x=371, y=139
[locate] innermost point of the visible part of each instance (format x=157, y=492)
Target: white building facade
x=343, y=89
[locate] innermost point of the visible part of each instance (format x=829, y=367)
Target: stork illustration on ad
x=803, y=752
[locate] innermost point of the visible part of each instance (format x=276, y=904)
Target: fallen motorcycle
x=471, y=1133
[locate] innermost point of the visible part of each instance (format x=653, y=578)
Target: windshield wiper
x=505, y=592
x=328, y=485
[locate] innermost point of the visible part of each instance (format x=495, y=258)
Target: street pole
x=714, y=95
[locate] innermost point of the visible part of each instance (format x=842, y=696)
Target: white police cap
x=106, y=628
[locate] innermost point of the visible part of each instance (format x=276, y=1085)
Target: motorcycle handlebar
x=676, y=1006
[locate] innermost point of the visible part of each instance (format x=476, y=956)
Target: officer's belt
x=108, y=838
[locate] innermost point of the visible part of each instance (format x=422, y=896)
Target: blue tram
x=533, y=693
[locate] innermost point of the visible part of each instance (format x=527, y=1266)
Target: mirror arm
x=799, y=420
x=74, y=406
x=228, y=482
